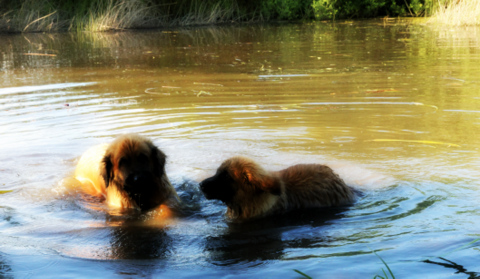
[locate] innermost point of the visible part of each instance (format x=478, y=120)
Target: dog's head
x=238, y=180
x=136, y=167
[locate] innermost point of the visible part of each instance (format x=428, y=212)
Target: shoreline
x=29, y=16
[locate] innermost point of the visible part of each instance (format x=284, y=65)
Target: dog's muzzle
x=204, y=188
x=141, y=187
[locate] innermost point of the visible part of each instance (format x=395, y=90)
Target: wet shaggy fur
x=249, y=191
x=128, y=173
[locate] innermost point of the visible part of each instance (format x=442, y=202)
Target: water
x=392, y=106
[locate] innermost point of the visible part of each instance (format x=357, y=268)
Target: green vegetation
x=383, y=270
x=102, y=15
x=303, y=274
x=385, y=275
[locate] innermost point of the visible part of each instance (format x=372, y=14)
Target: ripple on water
x=405, y=137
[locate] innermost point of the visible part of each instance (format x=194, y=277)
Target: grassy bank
x=102, y=15
x=458, y=13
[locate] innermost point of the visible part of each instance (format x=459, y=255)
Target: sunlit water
x=393, y=107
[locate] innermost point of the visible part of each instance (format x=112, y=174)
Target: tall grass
x=32, y=16
x=458, y=13
x=108, y=15
x=190, y=12
x=105, y=15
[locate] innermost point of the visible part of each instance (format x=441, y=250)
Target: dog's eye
x=225, y=177
x=122, y=162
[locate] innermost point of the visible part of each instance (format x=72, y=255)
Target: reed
x=303, y=274
x=105, y=15
x=196, y=12
x=458, y=13
x=108, y=15
x=32, y=16
x=385, y=275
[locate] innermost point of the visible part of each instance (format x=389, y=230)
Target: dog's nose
x=137, y=179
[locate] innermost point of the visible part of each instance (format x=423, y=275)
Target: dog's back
x=88, y=171
x=314, y=185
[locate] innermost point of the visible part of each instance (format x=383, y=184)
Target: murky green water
x=392, y=106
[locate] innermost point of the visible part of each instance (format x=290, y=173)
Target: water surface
x=392, y=106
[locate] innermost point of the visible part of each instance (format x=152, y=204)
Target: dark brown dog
x=128, y=173
x=249, y=191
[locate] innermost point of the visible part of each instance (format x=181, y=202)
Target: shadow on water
x=117, y=240
x=134, y=237
x=5, y=270
x=139, y=242
x=459, y=269
x=126, y=234
x=258, y=241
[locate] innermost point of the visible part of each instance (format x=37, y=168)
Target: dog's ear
x=159, y=159
x=264, y=182
x=106, y=168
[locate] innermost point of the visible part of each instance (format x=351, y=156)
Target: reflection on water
x=459, y=269
x=392, y=107
x=253, y=243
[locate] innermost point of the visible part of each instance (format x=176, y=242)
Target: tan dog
x=249, y=191
x=128, y=173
